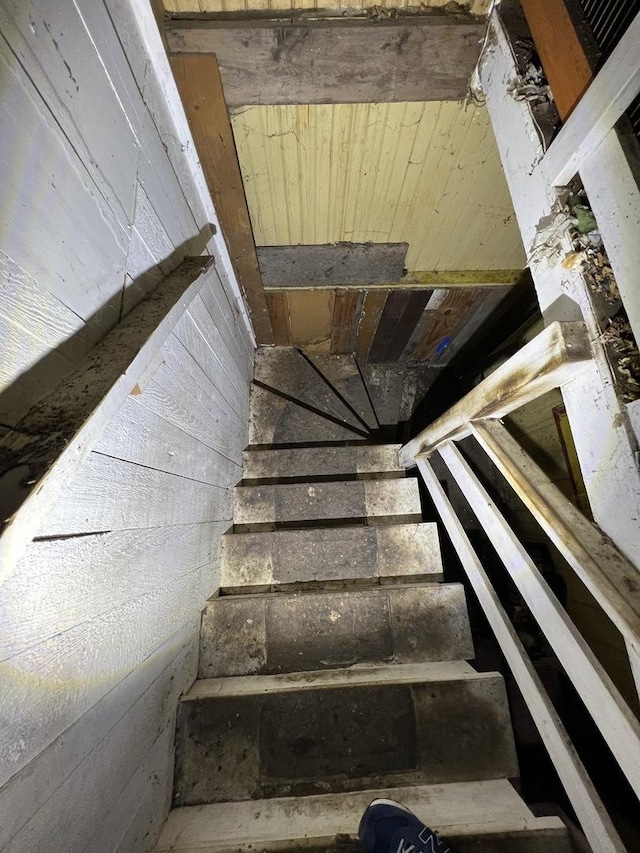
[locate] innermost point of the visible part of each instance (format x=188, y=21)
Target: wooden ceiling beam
x=342, y=60
x=200, y=87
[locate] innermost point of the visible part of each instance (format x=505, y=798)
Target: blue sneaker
x=389, y=827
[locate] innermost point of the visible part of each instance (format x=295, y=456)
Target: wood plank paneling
x=337, y=60
x=372, y=308
x=278, y=305
x=400, y=317
x=311, y=315
x=444, y=323
x=344, y=320
x=477, y=7
x=332, y=265
x=428, y=174
x=200, y=87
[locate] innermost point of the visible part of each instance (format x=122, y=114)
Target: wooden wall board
x=200, y=87
x=401, y=314
x=339, y=60
x=195, y=7
x=331, y=265
x=444, y=323
x=372, y=308
x=563, y=56
x=428, y=174
x=345, y=318
x=311, y=316
x=278, y=305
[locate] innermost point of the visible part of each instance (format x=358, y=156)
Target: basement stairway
x=333, y=665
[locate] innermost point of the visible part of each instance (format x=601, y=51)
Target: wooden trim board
x=550, y=359
x=346, y=60
x=51, y=442
x=200, y=87
x=417, y=280
x=331, y=264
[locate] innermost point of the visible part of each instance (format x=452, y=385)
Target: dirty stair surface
x=333, y=665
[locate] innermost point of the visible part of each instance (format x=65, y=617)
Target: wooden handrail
x=587, y=805
x=54, y=438
x=552, y=358
x=617, y=723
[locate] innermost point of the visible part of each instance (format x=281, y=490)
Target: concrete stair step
x=339, y=557
x=375, y=500
x=343, y=374
x=299, y=462
x=287, y=370
x=307, y=733
x=275, y=420
x=292, y=632
x=481, y=813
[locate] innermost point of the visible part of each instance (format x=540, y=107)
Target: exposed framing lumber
x=610, y=578
x=604, y=102
x=331, y=264
x=561, y=52
x=200, y=87
x=589, y=809
x=418, y=280
x=52, y=441
x=615, y=720
x=552, y=358
x=340, y=60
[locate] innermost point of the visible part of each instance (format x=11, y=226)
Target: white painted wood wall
x=101, y=196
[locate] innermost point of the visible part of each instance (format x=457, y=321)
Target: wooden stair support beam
x=552, y=358
x=55, y=437
x=586, y=803
x=604, y=102
x=612, y=580
x=198, y=80
x=422, y=58
x=564, y=59
x=613, y=717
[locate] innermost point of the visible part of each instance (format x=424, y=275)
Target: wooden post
x=200, y=87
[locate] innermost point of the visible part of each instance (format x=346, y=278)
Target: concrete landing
x=295, y=735
x=330, y=557
x=276, y=633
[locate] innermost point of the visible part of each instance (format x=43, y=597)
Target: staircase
x=333, y=664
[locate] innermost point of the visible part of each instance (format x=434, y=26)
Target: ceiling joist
x=341, y=60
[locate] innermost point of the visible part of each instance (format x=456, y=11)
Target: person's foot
x=389, y=827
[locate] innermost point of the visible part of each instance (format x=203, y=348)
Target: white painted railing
x=553, y=358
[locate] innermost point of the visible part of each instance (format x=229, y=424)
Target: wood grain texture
x=345, y=315
x=278, y=305
x=561, y=52
x=311, y=314
x=331, y=265
x=372, y=309
x=100, y=752
x=401, y=315
x=200, y=87
x=443, y=323
x=425, y=173
x=426, y=58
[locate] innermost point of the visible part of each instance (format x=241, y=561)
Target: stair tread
x=287, y=370
x=483, y=803
x=357, y=676
x=290, y=632
x=385, y=384
x=340, y=555
x=285, y=502
x=322, y=461
x=274, y=420
x=343, y=373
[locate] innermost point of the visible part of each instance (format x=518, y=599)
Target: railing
x=552, y=359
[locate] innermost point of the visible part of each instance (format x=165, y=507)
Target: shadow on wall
x=43, y=376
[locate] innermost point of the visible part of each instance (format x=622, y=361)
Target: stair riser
x=397, y=500
x=344, y=556
x=269, y=634
x=350, y=738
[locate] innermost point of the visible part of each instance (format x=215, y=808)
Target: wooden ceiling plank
x=331, y=264
x=200, y=87
x=341, y=60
